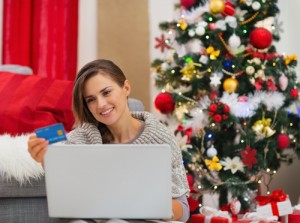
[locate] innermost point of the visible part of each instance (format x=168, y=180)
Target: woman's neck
x=125, y=130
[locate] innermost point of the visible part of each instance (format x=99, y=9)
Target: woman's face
x=106, y=100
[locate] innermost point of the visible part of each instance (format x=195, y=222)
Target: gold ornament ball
x=230, y=85
x=217, y=6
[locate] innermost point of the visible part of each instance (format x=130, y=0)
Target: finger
x=32, y=136
x=33, y=142
x=37, y=147
x=40, y=155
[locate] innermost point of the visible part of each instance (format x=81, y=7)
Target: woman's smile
x=107, y=113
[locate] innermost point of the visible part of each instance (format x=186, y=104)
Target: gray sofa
x=27, y=203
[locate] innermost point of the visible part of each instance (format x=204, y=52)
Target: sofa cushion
x=12, y=188
x=30, y=102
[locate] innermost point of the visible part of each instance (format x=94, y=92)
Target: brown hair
x=80, y=109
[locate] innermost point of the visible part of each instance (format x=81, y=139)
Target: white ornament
x=215, y=80
x=283, y=82
x=256, y=60
x=200, y=30
x=221, y=25
x=211, y=152
x=194, y=46
x=266, y=23
x=191, y=33
x=164, y=66
x=234, y=41
x=250, y=70
x=256, y=6
x=203, y=59
x=235, y=206
x=231, y=21
x=260, y=73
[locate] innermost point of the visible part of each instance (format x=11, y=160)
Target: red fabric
x=30, y=102
x=200, y=218
x=41, y=35
x=294, y=218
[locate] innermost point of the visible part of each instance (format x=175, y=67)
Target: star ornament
x=215, y=80
x=249, y=157
x=161, y=43
x=234, y=164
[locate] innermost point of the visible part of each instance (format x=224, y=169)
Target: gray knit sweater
x=154, y=133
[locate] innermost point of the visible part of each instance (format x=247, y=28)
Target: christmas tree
x=226, y=93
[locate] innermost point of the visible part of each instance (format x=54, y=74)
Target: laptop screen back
x=109, y=181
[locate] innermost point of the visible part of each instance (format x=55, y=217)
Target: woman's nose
x=101, y=102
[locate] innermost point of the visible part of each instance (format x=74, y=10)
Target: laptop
x=107, y=181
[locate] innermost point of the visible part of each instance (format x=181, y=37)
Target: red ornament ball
x=294, y=93
x=187, y=3
x=283, y=141
x=217, y=118
x=229, y=9
x=164, y=103
x=260, y=38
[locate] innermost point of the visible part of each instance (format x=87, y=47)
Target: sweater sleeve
x=86, y=134
x=157, y=133
x=185, y=206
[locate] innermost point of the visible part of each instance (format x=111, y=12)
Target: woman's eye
x=89, y=100
x=106, y=93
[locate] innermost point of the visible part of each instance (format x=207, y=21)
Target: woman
x=102, y=115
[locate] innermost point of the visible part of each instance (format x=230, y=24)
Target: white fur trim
x=16, y=162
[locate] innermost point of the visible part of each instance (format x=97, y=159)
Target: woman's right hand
x=37, y=147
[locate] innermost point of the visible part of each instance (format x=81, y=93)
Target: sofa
x=29, y=102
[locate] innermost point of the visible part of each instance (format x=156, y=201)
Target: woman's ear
x=127, y=87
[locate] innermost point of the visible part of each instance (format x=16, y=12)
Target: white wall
x=290, y=38
x=287, y=177
x=87, y=32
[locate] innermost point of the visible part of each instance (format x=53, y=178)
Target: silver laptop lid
x=109, y=181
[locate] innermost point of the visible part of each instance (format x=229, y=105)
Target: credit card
x=52, y=133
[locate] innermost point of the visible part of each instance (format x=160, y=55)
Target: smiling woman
x=100, y=106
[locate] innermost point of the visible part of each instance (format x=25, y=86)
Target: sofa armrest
x=135, y=105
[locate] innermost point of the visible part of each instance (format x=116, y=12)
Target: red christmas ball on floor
x=164, y=103
x=187, y=3
x=283, y=141
x=260, y=38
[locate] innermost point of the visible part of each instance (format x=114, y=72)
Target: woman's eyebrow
x=101, y=91
x=104, y=89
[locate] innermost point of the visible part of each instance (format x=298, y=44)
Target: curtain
x=41, y=34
